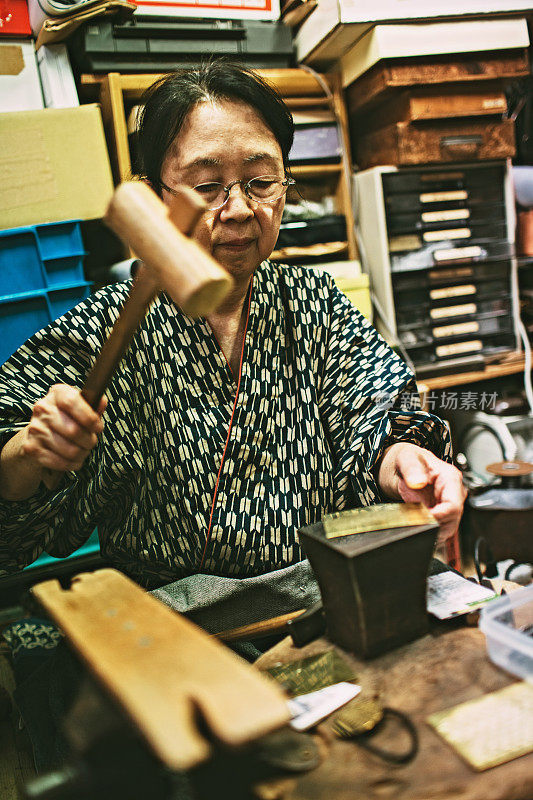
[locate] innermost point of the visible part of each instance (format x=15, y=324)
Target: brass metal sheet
x=375, y=518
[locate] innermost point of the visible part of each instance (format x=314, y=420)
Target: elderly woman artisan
x=220, y=437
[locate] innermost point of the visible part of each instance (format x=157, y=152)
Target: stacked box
x=41, y=278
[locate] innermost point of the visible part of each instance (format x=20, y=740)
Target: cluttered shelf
x=320, y=178
x=512, y=364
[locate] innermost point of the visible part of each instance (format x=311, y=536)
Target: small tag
x=448, y=233
x=308, y=709
x=443, y=197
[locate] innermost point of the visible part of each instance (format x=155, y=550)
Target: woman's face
x=226, y=141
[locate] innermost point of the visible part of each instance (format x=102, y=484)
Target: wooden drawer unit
x=442, y=263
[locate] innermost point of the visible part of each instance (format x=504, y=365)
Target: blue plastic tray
x=23, y=314
x=40, y=256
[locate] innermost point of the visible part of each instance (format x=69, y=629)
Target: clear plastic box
x=508, y=625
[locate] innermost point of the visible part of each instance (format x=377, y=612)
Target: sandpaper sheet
x=491, y=730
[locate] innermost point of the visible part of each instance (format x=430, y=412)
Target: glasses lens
x=266, y=188
x=213, y=194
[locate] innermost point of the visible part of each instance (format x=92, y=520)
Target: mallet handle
x=142, y=293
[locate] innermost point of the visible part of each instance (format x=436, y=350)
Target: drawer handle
x=467, y=144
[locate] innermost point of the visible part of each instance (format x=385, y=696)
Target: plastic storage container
x=508, y=625
x=41, y=278
x=24, y=314
x=40, y=256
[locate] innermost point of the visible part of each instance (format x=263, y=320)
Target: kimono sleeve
x=368, y=401
x=60, y=353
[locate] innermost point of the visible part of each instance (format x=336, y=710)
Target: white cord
x=527, y=365
x=515, y=300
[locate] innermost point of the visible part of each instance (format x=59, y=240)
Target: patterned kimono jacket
x=199, y=470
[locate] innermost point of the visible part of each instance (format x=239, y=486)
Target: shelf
x=299, y=86
x=117, y=92
x=315, y=170
x=312, y=251
x=513, y=364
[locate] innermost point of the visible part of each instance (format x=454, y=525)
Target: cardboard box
x=352, y=282
x=54, y=166
x=336, y=25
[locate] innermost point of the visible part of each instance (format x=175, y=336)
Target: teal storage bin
x=91, y=547
x=24, y=314
x=40, y=256
x=62, y=300
x=20, y=317
x=21, y=266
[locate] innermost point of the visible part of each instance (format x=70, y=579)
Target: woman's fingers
x=424, y=478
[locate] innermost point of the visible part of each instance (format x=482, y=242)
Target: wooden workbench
x=448, y=667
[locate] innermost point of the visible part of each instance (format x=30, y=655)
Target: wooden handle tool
x=159, y=236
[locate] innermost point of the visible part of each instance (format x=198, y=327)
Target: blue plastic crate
x=20, y=317
x=59, y=239
x=62, y=300
x=62, y=271
x=21, y=266
x=91, y=547
x=40, y=256
x=24, y=314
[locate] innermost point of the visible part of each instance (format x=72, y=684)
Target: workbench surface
x=440, y=670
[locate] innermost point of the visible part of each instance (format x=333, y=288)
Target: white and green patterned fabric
x=197, y=471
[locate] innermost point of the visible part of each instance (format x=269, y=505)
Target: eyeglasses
x=263, y=189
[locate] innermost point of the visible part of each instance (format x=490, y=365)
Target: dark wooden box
x=373, y=585
x=433, y=103
x=392, y=75
x=407, y=143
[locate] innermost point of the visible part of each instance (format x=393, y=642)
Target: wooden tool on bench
x=171, y=261
x=170, y=677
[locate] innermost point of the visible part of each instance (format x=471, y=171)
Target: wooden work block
x=373, y=578
x=166, y=674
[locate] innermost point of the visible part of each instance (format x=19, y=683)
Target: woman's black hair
x=167, y=102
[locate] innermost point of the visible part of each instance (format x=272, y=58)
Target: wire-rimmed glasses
x=263, y=189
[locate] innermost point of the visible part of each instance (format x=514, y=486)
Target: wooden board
x=407, y=143
x=389, y=76
x=161, y=669
x=436, y=672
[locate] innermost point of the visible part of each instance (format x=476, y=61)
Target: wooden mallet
x=159, y=235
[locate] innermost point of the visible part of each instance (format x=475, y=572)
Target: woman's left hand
x=415, y=475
